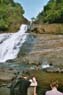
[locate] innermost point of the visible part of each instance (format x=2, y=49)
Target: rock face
x=47, y=28
x=47, y=48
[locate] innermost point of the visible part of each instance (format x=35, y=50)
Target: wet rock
x=6, y=75
x=47, y=48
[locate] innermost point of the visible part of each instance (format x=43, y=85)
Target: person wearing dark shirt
x=22, y=85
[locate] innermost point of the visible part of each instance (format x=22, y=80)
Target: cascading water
x=10, y=44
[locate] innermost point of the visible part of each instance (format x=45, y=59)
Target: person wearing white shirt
x=33, y=85
x=54, y=91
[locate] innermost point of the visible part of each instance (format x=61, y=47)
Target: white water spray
x=10, y=44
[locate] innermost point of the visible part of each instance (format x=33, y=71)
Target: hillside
x=11, y=16
x=52, y=12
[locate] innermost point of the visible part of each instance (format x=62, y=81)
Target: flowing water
x=10, y=44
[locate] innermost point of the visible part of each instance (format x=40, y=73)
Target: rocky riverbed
x=39, y=49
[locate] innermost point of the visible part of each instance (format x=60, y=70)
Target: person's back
x=54, y=91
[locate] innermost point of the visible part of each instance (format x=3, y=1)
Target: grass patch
x=44, y=80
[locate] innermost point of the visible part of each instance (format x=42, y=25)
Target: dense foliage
x=11, y=15
x=52, y=12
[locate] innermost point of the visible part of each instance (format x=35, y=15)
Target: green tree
x=52, y=13
x=11, y=15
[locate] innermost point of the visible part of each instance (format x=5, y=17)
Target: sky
x=32, y=7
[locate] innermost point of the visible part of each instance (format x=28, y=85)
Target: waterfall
x=10, y=43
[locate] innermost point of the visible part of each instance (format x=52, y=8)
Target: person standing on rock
x=22, y=85
x=33, y=85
